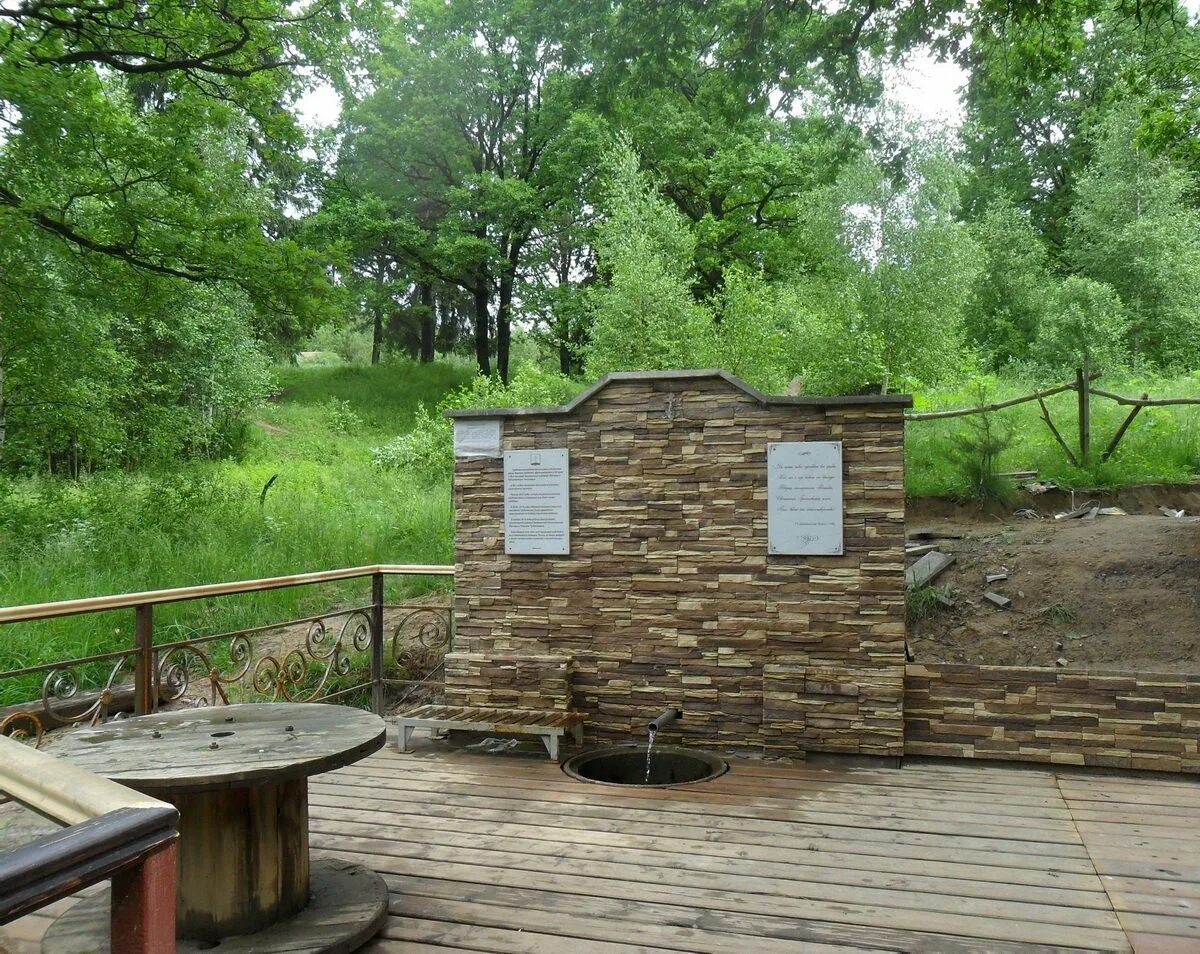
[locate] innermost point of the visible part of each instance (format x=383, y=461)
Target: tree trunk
x=504, y=324
x=377, y=328
x=428, y=320
x=508, y=279
x=482, y=349
x=377, y=334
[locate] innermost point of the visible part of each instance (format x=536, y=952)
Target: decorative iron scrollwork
x=420, y=641
x=296, y=674
x=292, y=678
x=175, y=670
x=24, y=727
x=64, y=701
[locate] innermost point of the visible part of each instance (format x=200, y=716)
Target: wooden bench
x=548, y=725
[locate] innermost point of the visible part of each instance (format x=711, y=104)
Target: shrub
x=427, y=450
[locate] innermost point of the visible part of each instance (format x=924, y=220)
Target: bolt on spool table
x=239, y=777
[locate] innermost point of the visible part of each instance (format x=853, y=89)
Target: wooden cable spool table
x=239, y=777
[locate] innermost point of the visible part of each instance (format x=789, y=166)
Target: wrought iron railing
x=349, y=653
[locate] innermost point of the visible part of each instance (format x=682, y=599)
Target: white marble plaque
x=536, y=502
x=477, y=437
x=804, y=498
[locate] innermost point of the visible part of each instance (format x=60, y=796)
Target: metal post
x=143, y=905
x=143, y=672
x=377, y=643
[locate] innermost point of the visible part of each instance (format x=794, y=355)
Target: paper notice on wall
x=536, y=502
x=477, y=437
x=804, y=498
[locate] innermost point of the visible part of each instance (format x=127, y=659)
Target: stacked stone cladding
x=1130, y=720
x=507, y=681
x=668, y=596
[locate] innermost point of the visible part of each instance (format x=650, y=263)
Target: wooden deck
x=507, y=854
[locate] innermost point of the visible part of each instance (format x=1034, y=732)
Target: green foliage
x=1086, y=322
x=350, y=344
x=1135, y=227
x=645, y=317
x=976, y=449
x=1014, y=289
x=1163, y=445
x=920, y=603
x=1060, y=614
x=171, y=376
x=427, y=449
x=757, y=338
x=888, y=313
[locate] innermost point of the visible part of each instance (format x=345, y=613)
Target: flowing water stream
x=649, y=747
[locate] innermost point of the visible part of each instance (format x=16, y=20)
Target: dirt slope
x=1117, y=592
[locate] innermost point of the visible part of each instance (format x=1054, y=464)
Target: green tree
x=1041, y=74
x=1135, y=227
x=470, y=113
x=645, y=317
x=914, y=265
x=1014, y=289
x=1086, y=324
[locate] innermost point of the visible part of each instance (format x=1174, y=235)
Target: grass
x=1161, y=446
x=209, y=521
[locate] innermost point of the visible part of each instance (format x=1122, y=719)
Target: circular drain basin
x=626, y=765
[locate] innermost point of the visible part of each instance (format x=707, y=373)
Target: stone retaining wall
x=1118, y=720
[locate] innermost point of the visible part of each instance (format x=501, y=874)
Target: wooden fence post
x=143, y=661
x=377, y=701
x=143, y=904
x=1083, y=386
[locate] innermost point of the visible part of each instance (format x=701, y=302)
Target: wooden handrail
x=61, y=863
x=113, y=832
x=98, y=604
x=62, y=791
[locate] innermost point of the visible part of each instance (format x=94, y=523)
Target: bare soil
x=1110, y=593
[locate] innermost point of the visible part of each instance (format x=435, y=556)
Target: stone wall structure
x=669, y=596
x=1112, y=719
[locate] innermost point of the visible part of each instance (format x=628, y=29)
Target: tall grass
x=205, y=522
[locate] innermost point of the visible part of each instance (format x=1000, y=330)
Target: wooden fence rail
x=1082, y=386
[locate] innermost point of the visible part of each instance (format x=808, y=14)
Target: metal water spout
x=664, y=720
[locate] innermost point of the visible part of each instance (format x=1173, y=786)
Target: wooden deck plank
x=722, y=853
x=516, y=767
x=715, y=931
x=510, y=856
x=812, y=838
x=575, y=929
x=442, y=935
x=783, y=775
x=718, y=891
x=783, y=877
x=743, y=799
x=879, y=827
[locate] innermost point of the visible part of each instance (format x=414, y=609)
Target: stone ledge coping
x=803, y=400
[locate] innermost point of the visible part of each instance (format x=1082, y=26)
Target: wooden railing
x=1082, y=386
x=113, y=832
x=320, y=664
